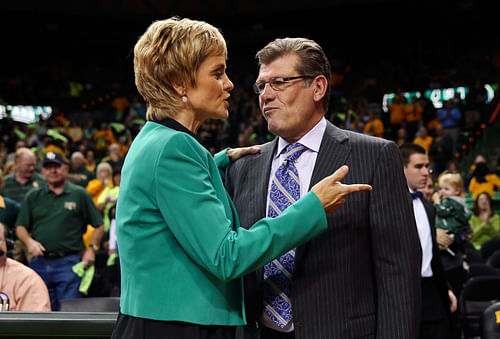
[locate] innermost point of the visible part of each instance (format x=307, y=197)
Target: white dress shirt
x=424, y=233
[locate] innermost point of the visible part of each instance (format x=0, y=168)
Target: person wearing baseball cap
x=53, y=158
x=51, y=223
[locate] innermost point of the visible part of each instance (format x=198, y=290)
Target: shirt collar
x=66, y=189
x=174, y=124
x=312, y=139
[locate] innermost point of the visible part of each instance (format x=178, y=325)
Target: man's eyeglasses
x=276, y=83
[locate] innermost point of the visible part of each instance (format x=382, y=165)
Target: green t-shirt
x=8, y=212
x=16, y=191
x=59, y=221
x=483, y=233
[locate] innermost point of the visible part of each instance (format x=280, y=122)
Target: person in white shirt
x=437, y=299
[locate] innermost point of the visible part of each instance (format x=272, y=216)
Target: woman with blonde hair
x=182, y=251
x=103, y=179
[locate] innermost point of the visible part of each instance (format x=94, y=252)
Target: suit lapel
x=333, y=153
x=262, y=165
x=431, y=216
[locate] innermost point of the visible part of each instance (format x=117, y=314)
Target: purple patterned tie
x=285, y=190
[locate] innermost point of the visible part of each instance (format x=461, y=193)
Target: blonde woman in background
x=103, y=179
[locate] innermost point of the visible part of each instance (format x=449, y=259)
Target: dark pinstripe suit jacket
x=361, y=278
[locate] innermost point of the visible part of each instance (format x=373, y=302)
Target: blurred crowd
x=94, y=123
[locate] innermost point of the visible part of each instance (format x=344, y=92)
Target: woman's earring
x=184, y=99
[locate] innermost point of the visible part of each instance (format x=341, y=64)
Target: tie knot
x=416, y=195
x=293, y=151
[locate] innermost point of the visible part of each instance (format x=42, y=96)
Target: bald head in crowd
x=25, y=161
x=77, y=160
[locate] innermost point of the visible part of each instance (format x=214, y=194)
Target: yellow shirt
x=476, y=188
x=375, y=127
x=424, y=142
x=397, y=113
x=413, y=112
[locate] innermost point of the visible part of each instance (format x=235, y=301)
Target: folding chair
x=494, y=260
x=490, y=322
x=478, y=293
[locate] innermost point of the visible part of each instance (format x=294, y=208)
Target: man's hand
x=332, y=193
x=453, y=301
x=443, y=239
x=88, y=257
x=35, y=248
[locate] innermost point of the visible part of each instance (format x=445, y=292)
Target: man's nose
x=267, y=93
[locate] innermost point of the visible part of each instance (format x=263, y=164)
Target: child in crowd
x=452, y=213
x=452, y=217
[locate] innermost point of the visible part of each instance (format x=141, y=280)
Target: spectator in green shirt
x=51, y=224
x=24, y=178
x=79, y=170
x=8, y=211
x=484, y=221
x=17, y=185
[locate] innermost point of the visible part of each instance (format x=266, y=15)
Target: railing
x=57, y=324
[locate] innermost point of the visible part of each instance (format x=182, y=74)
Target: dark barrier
x=490, y=322
x=57, y=324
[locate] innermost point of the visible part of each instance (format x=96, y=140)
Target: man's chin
x=56, y=183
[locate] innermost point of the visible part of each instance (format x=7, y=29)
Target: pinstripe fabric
x=361, y=278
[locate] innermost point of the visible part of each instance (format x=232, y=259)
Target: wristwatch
x=95, y=247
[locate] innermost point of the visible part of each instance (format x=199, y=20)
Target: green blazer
x=182, y=250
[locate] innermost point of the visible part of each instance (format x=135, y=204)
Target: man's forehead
x=281, y=66
x=419, y=159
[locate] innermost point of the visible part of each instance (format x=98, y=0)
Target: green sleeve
x=11, y=212
x=222, y=160
x=24, y=216
x=199, y=214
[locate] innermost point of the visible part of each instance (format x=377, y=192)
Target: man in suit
x=361, y=278
x=437, y=299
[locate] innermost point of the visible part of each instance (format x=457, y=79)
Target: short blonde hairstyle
x=171, y=52
x=453, y=179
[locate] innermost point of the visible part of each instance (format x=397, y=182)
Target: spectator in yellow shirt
x=374, y=126
x=483, y=181
x=413, y=114
x=423, y=139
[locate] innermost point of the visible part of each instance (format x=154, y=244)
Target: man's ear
x=320, y=86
